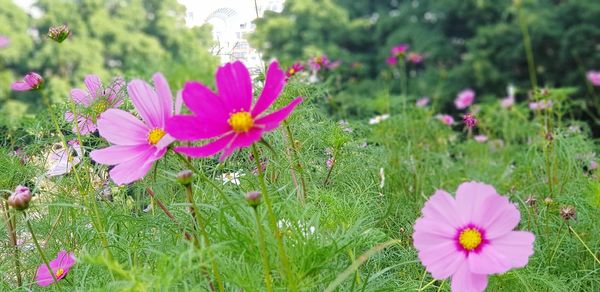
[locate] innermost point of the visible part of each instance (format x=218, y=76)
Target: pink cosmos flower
x=540, y=105
x=593, y=165
x=137, y=144
x=594, y=77
x=507, y=101
x=464, y=99
x=60, y=266
x=94, y=102
x=334, y=65
x=4, y=41
x=392, y=61
x=446, y=119
x=399, y=49
x=318, y=62
x=31, y=81
x=297, y=67
x=415, y=58
x=423, y=101
x=470, y=120
x=470, y=236
x=229, y=116
x=480, y=138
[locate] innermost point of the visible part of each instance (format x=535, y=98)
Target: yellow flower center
x=292, y=71
x=241, y=122
x=470, y=238
x=60, y=272
x=155, y=135
x=100, y=106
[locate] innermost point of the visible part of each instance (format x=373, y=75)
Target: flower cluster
x=400, y=52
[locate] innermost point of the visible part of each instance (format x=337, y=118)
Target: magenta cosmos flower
x=31, y=81
x=229, y=116
x=594, y=77
x=464, y=99
x=318, y=62
x=399, y=49
x=471, y=236
x=4, y=41
x=392, y=61
x=136, y=144
x=446, y=119
x=294, y=69
x=95, y=101
x=60, y=266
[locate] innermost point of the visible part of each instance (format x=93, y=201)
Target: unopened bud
x=20, y=198
x=59, y=33
x=185, y=177
x=253, y=199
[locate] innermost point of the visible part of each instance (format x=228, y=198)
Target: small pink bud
x=253, y=199
x=20, y=198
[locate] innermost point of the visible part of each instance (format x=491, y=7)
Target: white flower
x=232, y=177
x=378, y=119
x=61, y=160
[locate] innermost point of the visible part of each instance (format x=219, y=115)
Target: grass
x=349, y=234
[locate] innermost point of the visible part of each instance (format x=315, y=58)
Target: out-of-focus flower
x=423, y=101
x=253, y=199
x=61, y=161
x=31, y=81
x=593, y=165
x=399, y=50
x=392, y=61
x=4, y=41
x=415, y=58
x=334, y=65
x=507, y=101
x=294, y=69
x=540, y=105
x=470, y=236
x=94, y=102
x=464, y=99
x=378, y=119
x=319, y=62
x=480, y=138
x=59, y=33
x=136, y=144
x=446, y=119
x=329, y=162
x=232, y=177
x=20, y=198
x=60, y=267
x=594, y=77
x=345, y=126
x=230, y=118
x=470, y=120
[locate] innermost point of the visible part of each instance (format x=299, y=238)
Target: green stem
x=39, y=249
x=263, y=252
x=528, y=47
x=558, y=242
x=585, y=245
x=11, y=226
x=273, y=223
x=299, y=168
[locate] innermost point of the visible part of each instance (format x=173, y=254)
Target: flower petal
x=438, y=254
x=272, y=120
x=242, y=140
x=148, y=104
x=273, y=86
x=205, y=104
x=190, y=128
x=442, y=207
x=80, y=97
x=135, y=168
x=516, y=247
x=206, y=150
x=93, y=84
x=43, y=276
x=497, y=216
x=164, y=93
x=465, y=281
x=122, y=128
x=235, y=86
x=20, y=86
x=116, y=154
x=470, y=196
x=178, y=102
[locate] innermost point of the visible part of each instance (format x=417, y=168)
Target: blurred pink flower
x=60, y=267
x=392, y=61
x=480, y=138
x=470, y=236
x=470, y=120
x=540, y=105
x=423, y=101
x=593, y=165
x=31, y=81
x=415, y=58
x=399, y=49
x=319, y=62
x=464, y=99
x=229, y=117
x=446, y=119
x=334, y=65
x=4, y=41
x=294, y=69
x=507, y=101
x=94, y=102
x=594, y=77
x=137, y=144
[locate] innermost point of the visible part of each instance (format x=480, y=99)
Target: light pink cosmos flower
x=594, y=77
x=446, y=119
x=540, y=105
x=507, y=102
x=415, y=58
x=4, y=41
x=392, y=61
x=137, y=144
x=470, y=236
x=593, y=165
x=229, y=116
x=464, y=99
x=94, y=102
x=60, y=266
x=318, y=62
x=399, y=49
x=31, y=81
x=423, y=101
x=481, y=138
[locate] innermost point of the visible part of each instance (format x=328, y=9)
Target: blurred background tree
x=132, y=38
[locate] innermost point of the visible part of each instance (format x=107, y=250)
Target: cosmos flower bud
x=470, y=120
x=253, y=199
x=568, y=212
x=31, y=81
x=185, y=177
x=20, y=198
x=59, y=33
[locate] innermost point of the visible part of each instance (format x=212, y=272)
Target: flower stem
x=39, y=249
x=263, y=251
x=527, y=45
x=12, y=233
x=273, y=222
x=585, y=245
x=296, y=158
